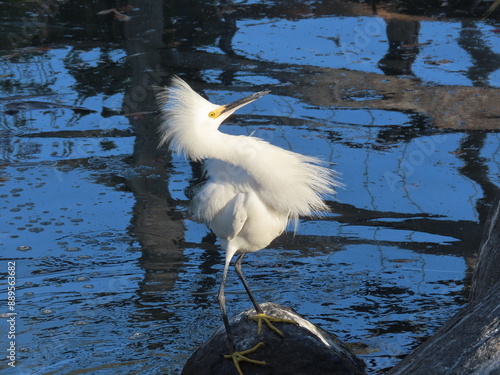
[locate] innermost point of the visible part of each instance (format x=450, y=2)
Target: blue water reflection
x=358, y=43
x=113, y=275
x=320, y=41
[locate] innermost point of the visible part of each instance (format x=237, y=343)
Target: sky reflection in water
x=103, y=287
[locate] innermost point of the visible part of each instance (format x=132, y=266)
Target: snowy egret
x=253, y=188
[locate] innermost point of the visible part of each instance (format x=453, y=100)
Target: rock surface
x=304, y=349
x=487, y=272
x=469, y=343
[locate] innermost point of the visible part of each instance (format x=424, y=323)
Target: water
x=110, y=272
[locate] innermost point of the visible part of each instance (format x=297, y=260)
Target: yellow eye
x=216, y=112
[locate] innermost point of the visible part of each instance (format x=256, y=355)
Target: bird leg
x=237, y=267
x=236, y=356
x=222, y=305
x=260, y=317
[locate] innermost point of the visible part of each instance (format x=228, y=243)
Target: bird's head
x=222, y=112
x=189, y=119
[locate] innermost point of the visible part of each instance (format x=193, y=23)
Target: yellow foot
x=238, y=357
x=269, y=320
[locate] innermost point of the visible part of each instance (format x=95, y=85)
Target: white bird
x=253, y=188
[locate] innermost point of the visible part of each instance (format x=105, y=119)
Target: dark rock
x=304, y=349
x=487, y=272
x=469, y=343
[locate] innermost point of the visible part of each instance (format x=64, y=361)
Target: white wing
x=220, y=203
x=230, y=205
x=228, y=222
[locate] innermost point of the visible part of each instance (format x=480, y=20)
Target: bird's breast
x=238, y=217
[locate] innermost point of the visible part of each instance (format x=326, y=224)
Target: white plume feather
x=287, y=182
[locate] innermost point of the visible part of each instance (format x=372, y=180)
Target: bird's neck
x=242, y=151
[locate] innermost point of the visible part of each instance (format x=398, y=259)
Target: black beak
x=231, y=107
